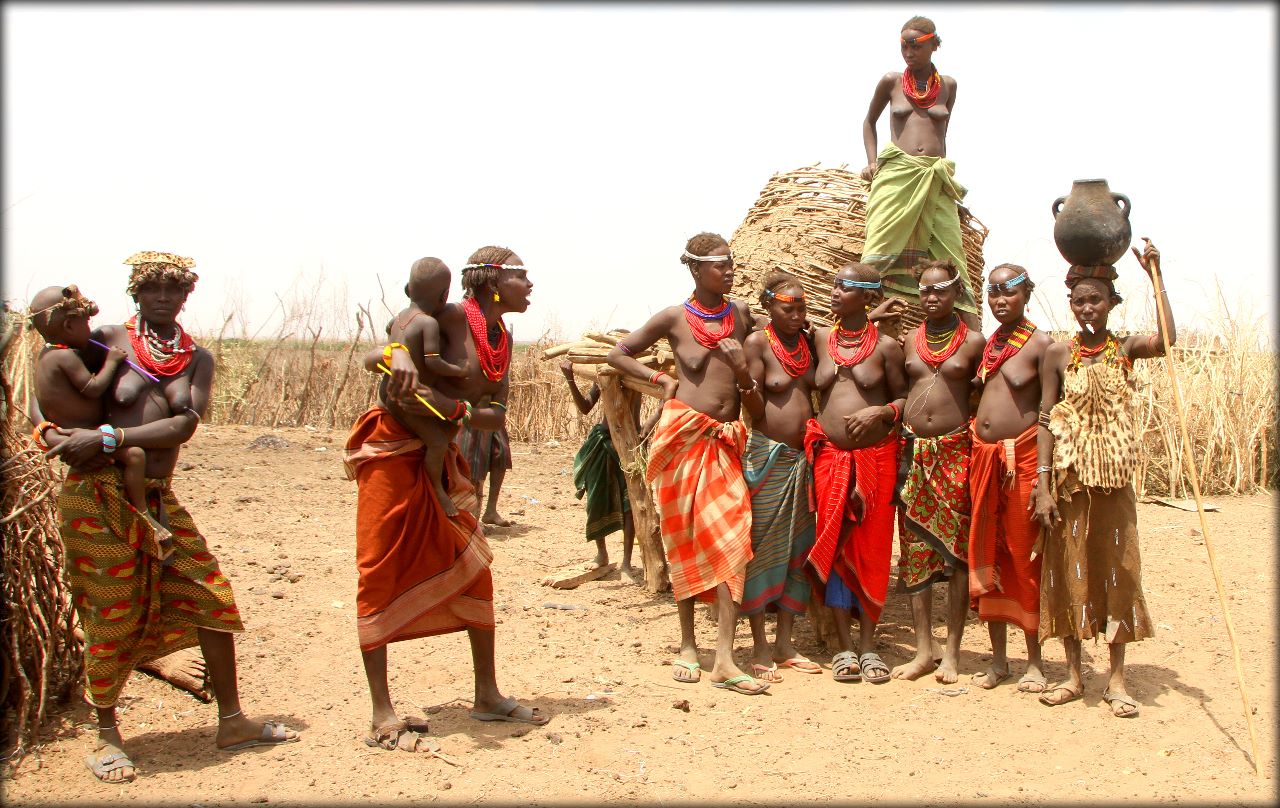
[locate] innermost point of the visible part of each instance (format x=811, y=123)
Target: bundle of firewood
x=589, y=354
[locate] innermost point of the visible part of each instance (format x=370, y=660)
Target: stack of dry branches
x=40, y=658
x=811, y=221
x=589, y=353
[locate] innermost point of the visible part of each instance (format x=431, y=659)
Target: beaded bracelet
x=386, y=352
x=746, y=391
x=458, y=411
x=466, y=417
x=1043, y=470
x=109, y=442
x=37, y=434
x=1044, y=420
x=897, y=413
x=657, y=374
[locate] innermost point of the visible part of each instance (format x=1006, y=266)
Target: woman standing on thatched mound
x=853, y=445
x=780, y=360
x=695, y=456
x=1091, y=574
x=132, y=606
x=912, y=208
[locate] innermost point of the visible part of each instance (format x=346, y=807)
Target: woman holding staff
x=1004, y=579
x=695, y=458
x=912, y=206
x=781, y=364
x=853, y=446
x=1091, y=583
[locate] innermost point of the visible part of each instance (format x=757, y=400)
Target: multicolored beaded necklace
x=1009, y=342
x=950, y=341
x=1110, y=350
x=863, y=342
x=494, y=359
x=163, y=357
x=795, y=361
x=696, y=316
x=926, y=98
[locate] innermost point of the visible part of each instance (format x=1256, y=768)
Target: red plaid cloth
x=695, y=465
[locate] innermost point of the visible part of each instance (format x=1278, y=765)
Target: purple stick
x=128, y=362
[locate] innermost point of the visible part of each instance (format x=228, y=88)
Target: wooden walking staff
x=1158, y=283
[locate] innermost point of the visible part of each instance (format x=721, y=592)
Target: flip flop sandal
x=1030, y=683
x=693, y=675
x=801, y=664
x=398, y=735
x=989, y=682
x=416, y=723
x=843, y=667
x=767, y=673
x=734, y=683
x=101, y=766
x=1046, y=698
x=871, y=661
x=273, y=734
x=504, y=713
x=1112, y=699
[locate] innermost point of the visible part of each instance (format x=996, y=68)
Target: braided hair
x=476, y=278
x=702, y=244
x=1028, y=284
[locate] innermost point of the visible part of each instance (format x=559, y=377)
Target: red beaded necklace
x=932, y=87
x=493, y=358
x=163, y=357
x=794, y=362
x=863, y=342
x=935, y=358
x=1012, y=343
x=696, y=316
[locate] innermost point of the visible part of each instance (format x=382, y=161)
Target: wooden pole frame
x=1158, y=283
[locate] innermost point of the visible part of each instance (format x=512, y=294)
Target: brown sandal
x=398, y=735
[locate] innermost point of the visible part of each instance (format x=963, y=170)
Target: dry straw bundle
x=811, y=221
x=41, y=658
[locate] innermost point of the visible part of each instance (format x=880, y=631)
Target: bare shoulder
x=891, y=78
x=451, y=315
x=107, y=333
x=892, y=350
x=949, y=82
x=1040, y=339
x=756, y=339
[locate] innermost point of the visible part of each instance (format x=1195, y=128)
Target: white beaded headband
x=693, y=257
x=499, y=266
x=942, y=285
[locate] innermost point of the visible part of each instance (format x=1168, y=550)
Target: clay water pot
x=1091, y=227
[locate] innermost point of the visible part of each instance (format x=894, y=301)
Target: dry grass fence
x=1228, y=384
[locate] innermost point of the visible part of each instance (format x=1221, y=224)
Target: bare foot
x=446, y=502
x=948, y=671
x=631, y=575
x=184, y=670
x=492, y=518
x=914, y=669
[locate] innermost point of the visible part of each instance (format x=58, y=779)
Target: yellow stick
x=425, y=403
x=1158, y=283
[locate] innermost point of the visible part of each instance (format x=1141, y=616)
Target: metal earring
x=497, y=298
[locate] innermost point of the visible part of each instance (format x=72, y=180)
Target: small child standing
x=69, y=395
x=416, y=330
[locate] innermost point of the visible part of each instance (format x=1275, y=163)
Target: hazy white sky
x=295, y=148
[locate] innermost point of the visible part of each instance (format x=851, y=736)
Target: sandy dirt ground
x=601, y=670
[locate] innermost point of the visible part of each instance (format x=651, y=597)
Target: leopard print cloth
x=1095, y=426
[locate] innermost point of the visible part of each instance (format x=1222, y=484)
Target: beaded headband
x=772, y=295
x=852, y=284
x=499, y=266
x=938, y=286
x=693, y=257
x=1008, y=285
x=918, y=39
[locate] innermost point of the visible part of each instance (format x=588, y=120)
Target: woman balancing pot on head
x=695, y=454
x=1091, y=574
x=1004, y=579
x=853, y=446
x=942, y=356
x=912, y=209
x=781, y=362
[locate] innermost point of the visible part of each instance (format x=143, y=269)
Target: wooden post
x=617, y=404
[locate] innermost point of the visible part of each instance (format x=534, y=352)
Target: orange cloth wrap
x=695, y=466
x=421, y=573
x=1003, y=579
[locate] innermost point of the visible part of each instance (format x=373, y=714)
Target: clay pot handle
x=1057, y=204
x=1117, y=198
